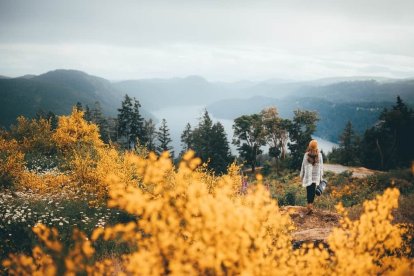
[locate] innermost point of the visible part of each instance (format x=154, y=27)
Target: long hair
x=313, y=152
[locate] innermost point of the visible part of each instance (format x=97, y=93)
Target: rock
x=312, y=234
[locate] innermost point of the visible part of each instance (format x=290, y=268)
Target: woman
x=311, y=172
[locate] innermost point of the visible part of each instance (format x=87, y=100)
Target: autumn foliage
x=190, y=222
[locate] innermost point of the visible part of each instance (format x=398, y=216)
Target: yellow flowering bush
x=193, y=223
x=73, y=132
x=90, y=171
x=186, y=229
x=367, y=245
x=33, y=134
x=346, y=190
x=185, y=219
x=11, y=162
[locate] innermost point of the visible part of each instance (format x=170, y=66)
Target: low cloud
x=220, y=40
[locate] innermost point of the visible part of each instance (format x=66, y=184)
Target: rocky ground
x=315, y=227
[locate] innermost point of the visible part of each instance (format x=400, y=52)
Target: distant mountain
x=361, y=91
x=192, y=90
x=333, y=116
x=57, y=91
x=328, y=81
x=27, y=76
x=91, y=87
x=350, y=89
x=359, y=99
x=4, y=77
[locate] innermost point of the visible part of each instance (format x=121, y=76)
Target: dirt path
x=359, y=172
x=317, y=226
x=314, y=227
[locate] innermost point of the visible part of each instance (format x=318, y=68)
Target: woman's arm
x=302, y=169
x=321, y=160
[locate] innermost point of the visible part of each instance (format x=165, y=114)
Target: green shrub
x=402, y=179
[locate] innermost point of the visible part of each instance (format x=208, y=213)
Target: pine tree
x=388, y=144
x=88, y=114
x=202, y=138
x=99, y=119
x=220, y=155
x=79, y=106
x=150, y=135
x=209, y=141
x=163, y=137
x=112, y=128
x=130, y=122
x=50, y=116
x=136, y=125
x=124, y=119
x=348, y=146
x=186, y=139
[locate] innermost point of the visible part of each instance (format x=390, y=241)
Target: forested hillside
x=336, y=101
x=333, y=116
x=56, y=91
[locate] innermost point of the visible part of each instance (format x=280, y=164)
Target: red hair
x=313, y=152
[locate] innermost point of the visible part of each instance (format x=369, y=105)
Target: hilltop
x=57, y=91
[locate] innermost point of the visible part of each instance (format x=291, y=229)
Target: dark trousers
x=310, y=192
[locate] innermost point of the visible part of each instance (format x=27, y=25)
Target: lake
x=178, y=116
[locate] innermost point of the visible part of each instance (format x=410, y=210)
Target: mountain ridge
x=58, y=90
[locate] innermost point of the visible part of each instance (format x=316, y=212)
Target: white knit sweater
x=311, y=173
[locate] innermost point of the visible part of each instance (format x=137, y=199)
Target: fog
x=219, y=40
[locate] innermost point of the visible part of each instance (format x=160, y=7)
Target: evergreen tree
x=300, y=134
x=130, y=122
x=112, y=128
x=150, y=134
x=220, y=155
x=99, y=119
x=124, y=119
x=41, y=114
x=187, y=139
x=79, y=106
x=388, y=144
x=202, y=138
x=136, y=125
x=400, y=122
x=88, y=114
x=347, y=146
x=164, y=140
x=210, y=143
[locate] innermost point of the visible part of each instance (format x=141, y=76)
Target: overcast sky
x=219, y=40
